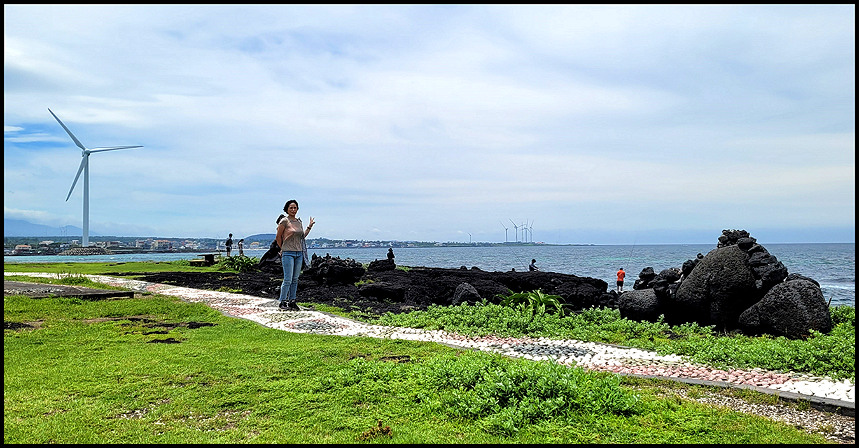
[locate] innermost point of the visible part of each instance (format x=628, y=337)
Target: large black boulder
x=383, y=291
x=789, y=309
x=334, y=270
x=640, y=304
x=716, y=292
x=382, y=265
x=465, y=293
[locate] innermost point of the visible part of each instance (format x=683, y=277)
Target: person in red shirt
x=620, y=275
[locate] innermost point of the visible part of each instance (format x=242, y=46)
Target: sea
x=833, y=265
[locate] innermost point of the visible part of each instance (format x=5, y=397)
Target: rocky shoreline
x=91, y=250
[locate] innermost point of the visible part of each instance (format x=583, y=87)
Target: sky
x=603, y=124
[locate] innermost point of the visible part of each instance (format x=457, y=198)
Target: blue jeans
x=292, y=262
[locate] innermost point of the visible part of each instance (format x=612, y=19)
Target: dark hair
x=277, y=221
x=286, y=206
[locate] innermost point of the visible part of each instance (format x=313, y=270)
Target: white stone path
x=589, y=355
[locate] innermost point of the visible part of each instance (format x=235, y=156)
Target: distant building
x=162, y=245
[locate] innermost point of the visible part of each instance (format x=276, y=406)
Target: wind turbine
x=85, y=168
x=505, y=231
x=531, y=230
x=515, y=230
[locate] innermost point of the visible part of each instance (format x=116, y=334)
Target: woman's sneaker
x=294, y=306
x=284, y=306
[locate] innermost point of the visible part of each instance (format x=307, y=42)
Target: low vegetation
x=820, y=354
x=533, y=303
x=155, y=369
x=238, y=263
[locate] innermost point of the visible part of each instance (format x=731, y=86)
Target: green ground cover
x=154, y=369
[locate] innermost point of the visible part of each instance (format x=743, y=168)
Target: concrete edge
x=830, y=405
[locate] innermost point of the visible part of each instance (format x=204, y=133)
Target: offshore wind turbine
x=505, y=231
x=85, y=168
x=515, y=230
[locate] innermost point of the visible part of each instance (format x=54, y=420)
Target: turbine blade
x=112, y=148
x=81, y=168
x=77, y=142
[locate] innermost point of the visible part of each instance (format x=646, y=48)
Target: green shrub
x=75, y=280
x=844, y=314
x=534, y=302
x=503, y=394
x=240, y=263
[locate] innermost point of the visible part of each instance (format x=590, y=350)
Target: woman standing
x=290, y=238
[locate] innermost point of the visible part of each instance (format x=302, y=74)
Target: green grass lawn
x=155, y=369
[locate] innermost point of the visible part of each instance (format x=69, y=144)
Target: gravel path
x=589, y=355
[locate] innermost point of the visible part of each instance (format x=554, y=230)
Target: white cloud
x=394, y=120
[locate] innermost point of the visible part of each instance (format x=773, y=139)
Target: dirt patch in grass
x=20, y=326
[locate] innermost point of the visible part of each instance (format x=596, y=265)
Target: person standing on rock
x=229, y=244
x=290, y=238
x=620, y=275
x=241, y=247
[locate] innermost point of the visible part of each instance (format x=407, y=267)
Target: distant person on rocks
x=241, y=247
x=620, y=276
x=229, y=244
x=533, y=265
x=290, y=238
x=390, y=253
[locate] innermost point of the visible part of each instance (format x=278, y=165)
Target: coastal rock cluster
x=738, y=285
x=90, y=250
x=399, y=290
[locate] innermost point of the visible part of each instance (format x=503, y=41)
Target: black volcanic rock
x=790, y=309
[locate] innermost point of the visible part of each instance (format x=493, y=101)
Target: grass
x=154, y=369
x=102, y=372
x=106, y=268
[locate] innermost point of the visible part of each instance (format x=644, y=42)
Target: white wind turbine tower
x=85, y=168
x=515, y=230
x=505, y=231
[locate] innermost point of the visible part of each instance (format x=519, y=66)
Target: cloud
x=403, y=120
